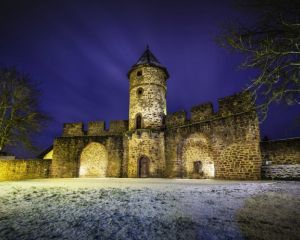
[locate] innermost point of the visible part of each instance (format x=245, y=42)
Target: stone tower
x=147, y=93
x=147, y=110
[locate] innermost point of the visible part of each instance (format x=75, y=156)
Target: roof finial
x=147, y=46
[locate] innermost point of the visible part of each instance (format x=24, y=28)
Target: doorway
x=143, y=167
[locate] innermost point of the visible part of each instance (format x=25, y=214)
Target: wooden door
x=144, y=167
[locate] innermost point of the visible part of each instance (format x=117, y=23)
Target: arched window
x=140, y=91
x=138, y=122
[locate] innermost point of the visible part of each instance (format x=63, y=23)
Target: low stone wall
x=285, y=172
x=279, y=152
x=24, y=169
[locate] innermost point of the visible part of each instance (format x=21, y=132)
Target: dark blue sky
x=80, y=51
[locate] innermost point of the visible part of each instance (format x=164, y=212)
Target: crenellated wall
x=175, y=119
x=226, y=142
x=202, y=112
x=95, y=128
x=73, y=129
x=228, y=106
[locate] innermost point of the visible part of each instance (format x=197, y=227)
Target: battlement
x=176, y=119
x=228, y=106
x=118, y=126
x=95, y=128
x=73, y=129
x=202, y=112
x=237, y=103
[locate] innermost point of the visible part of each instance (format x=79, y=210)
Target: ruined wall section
x=147, y=97
x=67, y=152
x=144, y=143
x=232, y=134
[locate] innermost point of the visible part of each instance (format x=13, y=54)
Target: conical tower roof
x=148, y=59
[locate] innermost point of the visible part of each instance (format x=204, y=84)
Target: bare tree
x=272, y=45
x=20, y=116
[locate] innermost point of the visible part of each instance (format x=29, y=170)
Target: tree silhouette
x=20, y=117
x=272, y=45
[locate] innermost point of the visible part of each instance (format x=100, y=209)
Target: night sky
x=80, y=51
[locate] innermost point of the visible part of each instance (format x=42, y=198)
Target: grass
x=270, y=216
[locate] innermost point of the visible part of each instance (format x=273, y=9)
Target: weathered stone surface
x=223, y=144
x=73, y=129
x=229, y=145
x=285, y=172
x=96, y=128
x=147, y=97
x=201, y=112
x=24, y=169
x=67, y=152
x=278, y=152
x=93, y=161
x=149, y=144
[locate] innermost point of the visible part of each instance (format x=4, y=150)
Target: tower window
x=139, y=73
x=138, y=122
x=140, y=92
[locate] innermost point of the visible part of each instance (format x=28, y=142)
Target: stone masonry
x=152, y=143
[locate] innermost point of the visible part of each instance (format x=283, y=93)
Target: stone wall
x=279, y=152
x=226, y=142
x=202, y=112
x=18, y=169
x=175, y=119
x=93, y=161
x=147, y=97
x=284, y=172
x=144, y=143
x=73, y=129
x=118, y=127
x=237, y=103
x=67, y=154
x=95, y=128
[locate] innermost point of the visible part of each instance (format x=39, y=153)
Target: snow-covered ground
x=111, y=208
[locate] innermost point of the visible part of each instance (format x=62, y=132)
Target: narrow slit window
x=138, y=122
x=140, y=92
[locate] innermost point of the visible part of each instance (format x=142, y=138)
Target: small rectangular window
x=139, y=73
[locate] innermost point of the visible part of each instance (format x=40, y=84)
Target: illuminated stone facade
x=223, y=144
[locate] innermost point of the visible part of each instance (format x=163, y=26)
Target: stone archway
x=196, y=156
x=93, y=161
x=143, y=167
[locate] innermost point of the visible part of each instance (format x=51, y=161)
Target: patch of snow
x=114, y=208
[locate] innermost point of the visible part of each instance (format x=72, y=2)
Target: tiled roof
x=148, y=58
